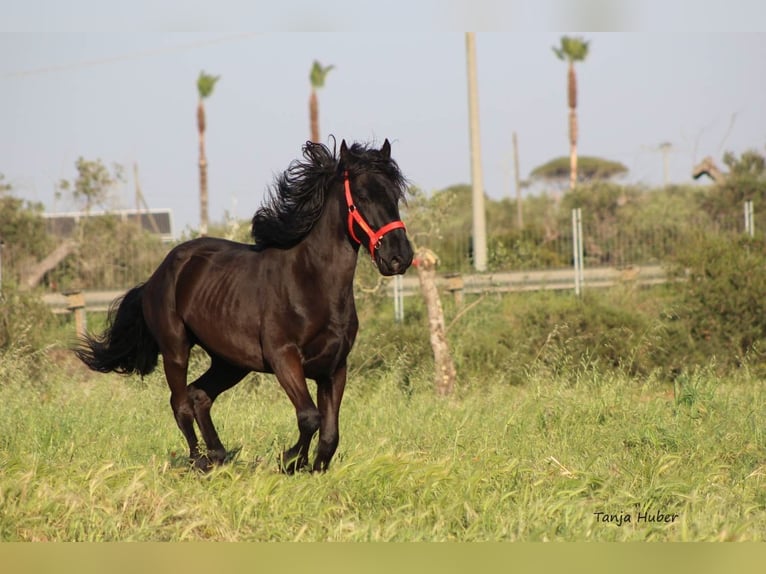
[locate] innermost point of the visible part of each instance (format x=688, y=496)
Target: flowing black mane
x=296, y=200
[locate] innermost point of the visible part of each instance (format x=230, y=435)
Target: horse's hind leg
x=176, y=365
x=203, y=392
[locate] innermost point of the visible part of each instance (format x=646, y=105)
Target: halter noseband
x=354, y=216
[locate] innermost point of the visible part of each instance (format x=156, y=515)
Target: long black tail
x=126, y=346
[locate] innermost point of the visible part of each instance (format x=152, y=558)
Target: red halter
x=355, y=216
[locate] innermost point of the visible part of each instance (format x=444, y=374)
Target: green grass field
x=587, y=456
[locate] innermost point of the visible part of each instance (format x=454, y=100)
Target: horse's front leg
x=289, y=371
x=329, y=396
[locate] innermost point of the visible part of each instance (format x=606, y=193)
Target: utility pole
x=479, y=216
x=665, y=148
x=517, y=177
x=141, y=201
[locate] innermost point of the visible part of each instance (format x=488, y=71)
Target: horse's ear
x=343, y=149
x=386, y=149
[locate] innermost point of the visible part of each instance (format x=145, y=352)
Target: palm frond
x=318, y=74
x=572, y=49
x=205, y=84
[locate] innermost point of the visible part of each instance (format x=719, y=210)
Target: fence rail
x=592, y=242
x=552, y=279
x=93, y=300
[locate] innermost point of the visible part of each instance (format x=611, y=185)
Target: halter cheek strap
x=354, y=216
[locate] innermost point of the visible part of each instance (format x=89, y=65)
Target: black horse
x=284, y=305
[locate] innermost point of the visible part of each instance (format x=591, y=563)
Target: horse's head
x=373, y=186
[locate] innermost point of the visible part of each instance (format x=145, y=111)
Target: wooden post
x=76, y=304
x=444, y=380
x=455, y=286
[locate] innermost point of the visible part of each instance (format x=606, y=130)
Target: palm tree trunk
x=572, y=148
x=572, y=101
x=314, y=116
x=203, y=199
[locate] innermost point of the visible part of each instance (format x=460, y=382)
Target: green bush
x=746, y=181
x=24, y=319
x=525, y=249
x=722, y=301
x=596, y=332
x=26, y=325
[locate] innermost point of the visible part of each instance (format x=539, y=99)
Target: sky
x=126, y=93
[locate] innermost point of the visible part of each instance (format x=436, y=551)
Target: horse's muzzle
x=394, y=256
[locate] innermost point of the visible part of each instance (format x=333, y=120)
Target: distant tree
x=442, y=221
x=317, y=79
x=94, y=183
x=205, y=85
x=572, y=50
x=105, y=252
x=589, y=169
x=745, y=181
x=750, y=164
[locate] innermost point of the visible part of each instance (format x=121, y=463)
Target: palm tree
x=317, y=77
x=205, y=85
x=572, y=50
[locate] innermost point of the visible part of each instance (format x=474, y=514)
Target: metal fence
x=589, y=243
x=591, y=253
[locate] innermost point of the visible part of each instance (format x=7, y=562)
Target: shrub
x=24, y=319
x=722, y=304
x=26, y=324
x=595, y=332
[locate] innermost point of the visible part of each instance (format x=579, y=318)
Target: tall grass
x=97, y=458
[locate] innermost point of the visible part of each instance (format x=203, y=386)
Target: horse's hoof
x=202, y=464
x=216, y=457
x=293, y=465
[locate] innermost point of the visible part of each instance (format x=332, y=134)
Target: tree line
x=656, y=219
